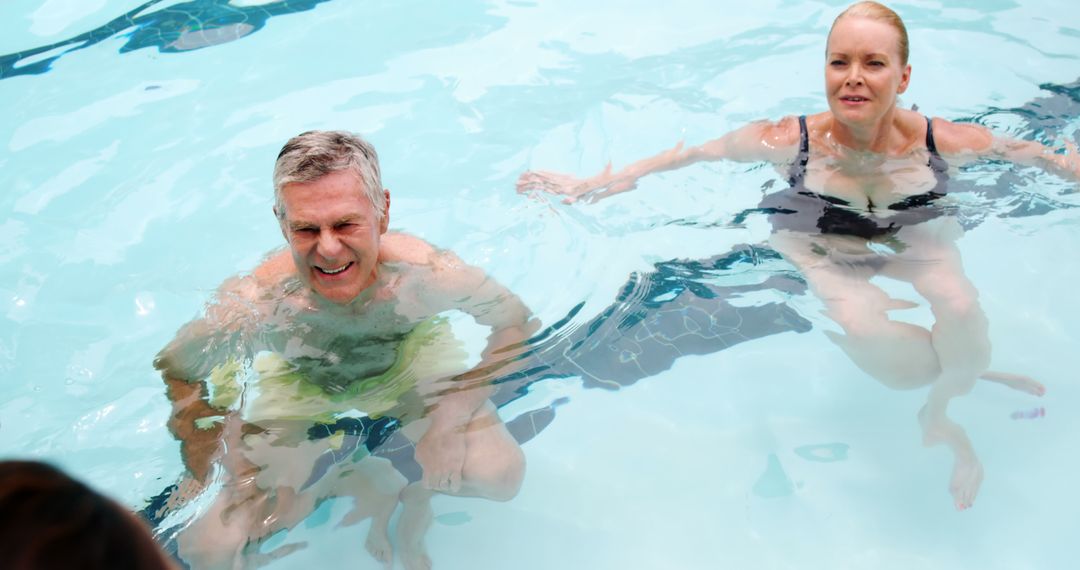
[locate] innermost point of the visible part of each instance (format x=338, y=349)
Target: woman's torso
x=834, y=191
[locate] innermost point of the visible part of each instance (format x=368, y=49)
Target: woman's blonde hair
x=881, y=13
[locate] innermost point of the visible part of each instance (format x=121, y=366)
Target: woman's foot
x=967, y=472
x=1016, y=382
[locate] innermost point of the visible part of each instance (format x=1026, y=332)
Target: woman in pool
x=865, y=199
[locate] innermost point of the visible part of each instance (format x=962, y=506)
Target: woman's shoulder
x=772, y=141
x=784, y=132
x=818, y=125
x=960, y=138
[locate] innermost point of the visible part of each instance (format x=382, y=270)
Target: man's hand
x=441, y=453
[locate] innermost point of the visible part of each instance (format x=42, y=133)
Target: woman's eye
x=836, y=63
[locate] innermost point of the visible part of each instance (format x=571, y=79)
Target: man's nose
x=329, y=245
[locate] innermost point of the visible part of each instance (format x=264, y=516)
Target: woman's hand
x=572, y=187
x=1073, y=164
x=553, y=183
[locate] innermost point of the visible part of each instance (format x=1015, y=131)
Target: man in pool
x=301, y=368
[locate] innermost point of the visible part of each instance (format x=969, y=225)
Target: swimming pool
x=137, y=162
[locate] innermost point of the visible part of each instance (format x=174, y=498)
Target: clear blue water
x=136, y=168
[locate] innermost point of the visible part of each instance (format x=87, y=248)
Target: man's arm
x=455, y=285
x=199, y=348
x=199, y=443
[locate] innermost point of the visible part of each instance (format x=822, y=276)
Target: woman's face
x=863, y=70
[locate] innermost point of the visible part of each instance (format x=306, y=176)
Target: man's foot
x=413, y=525
x=378, y=545
x=376, y=487
x=415, y=559
x=378, y=539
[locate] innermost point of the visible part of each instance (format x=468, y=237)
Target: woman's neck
x=875, y=137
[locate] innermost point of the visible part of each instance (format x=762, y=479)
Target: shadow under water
x=177, y=28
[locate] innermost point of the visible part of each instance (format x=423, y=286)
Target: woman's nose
x=854, y=76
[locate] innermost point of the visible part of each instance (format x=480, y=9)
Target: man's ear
x=281, y=223
x=385, y=224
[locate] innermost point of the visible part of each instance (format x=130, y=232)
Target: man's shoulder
x=423, y=263
x=398, y=247
x=277, y=265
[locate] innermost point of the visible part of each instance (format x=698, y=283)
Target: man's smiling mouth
x=335, y=270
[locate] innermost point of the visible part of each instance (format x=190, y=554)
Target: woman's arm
x=1031, y=153
x=976, y=141
x=756, y=142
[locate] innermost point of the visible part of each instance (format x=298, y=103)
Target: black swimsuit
x=802, y=210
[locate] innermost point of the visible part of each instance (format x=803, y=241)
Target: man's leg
x=494, y=469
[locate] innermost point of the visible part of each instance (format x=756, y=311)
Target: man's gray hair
x=314, y=154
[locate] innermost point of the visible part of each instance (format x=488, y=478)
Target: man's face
x=333, y=233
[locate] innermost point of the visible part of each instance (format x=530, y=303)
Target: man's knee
x=505, y=484
x=496, y=474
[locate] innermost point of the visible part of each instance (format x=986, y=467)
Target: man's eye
x=347, y=227
x=304, y=231
x=836, y=63
x=877, y=63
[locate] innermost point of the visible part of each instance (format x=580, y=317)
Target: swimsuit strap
x=936, y=163
x=804, y=136
x=798, y=168
x=930, y=144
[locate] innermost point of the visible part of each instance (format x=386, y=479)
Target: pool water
x=138, y=141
